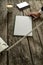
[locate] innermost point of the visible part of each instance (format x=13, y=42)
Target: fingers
x=29, y=14
x=34, y=16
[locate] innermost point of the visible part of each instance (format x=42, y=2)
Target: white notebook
x=3, y=45
x=22, y=5
x=23, y=25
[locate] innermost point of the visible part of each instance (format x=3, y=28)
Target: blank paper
x=3, y=45
x=23, y=25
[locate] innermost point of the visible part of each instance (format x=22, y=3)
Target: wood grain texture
x=3, y=29
x=30, y=50
x=37, y=44
x=20, y=54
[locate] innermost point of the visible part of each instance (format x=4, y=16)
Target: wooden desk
x=30, y=50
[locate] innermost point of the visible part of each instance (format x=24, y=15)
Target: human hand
x=34, y=14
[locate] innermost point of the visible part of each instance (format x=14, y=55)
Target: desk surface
x=30, y=50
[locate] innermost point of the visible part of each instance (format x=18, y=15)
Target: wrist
x=40, y=11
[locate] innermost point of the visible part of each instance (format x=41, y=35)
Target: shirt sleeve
x=41, y=10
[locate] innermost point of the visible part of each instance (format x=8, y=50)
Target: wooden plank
x=38, y=6
x=35, y=25
x=35, y=40
x=42, y=2
x=19, y=55
x=31, y=44
x=39, y=30
x=37, y=59
x=40, y=35
x=3, y=29
x=3, y=34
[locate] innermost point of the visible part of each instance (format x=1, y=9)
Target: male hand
x=34, y=14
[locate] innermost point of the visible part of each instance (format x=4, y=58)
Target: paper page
x=21, y=5
x=23, y=25
x=3, y=45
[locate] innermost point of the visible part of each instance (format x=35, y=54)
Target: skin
x=34, y=14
